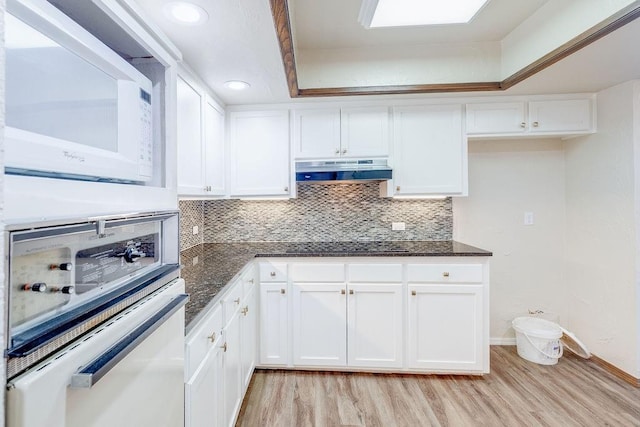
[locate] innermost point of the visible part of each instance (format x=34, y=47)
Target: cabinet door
x=274, y=324
x=445, y=328
x=190, y=148
x=430, y=151
x=248, y=333
x=232, y=376
x=375, y=325
x=365, y=132
x=316, y=133
x=496, y=118
x=214, y=149
x=319, y=324
x=573, y=115
x=204, y=392
x=259, y=153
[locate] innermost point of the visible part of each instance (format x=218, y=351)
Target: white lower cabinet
x=445, y=327
x=221, y=356
x=274, y=324
x=399, y=315
x=319, y=324
x=232, y=370
x=374, y=321
x=249, y=337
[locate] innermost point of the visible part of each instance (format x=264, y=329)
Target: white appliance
x=96, y=323
x=74, y=108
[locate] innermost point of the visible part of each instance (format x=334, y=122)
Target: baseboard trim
x=617, y=372
x=502, y=341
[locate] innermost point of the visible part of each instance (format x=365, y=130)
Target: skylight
x=401, y=13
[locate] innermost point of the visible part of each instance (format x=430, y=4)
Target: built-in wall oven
x=95, y=332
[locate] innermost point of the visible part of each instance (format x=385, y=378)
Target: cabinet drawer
x=248, y=281
x=231, y=301
x=201, y=340
x=375, y=273
x=445, y=273
x=307, y=272
x=273, y=271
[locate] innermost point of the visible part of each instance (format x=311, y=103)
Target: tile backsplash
x=320, y=213
x=191, y=215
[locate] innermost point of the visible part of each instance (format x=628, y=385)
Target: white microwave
x=74, y=108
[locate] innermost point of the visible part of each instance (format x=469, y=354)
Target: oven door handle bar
x=91, y=373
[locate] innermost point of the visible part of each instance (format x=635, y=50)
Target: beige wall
x=602, y=218
x=506, y=179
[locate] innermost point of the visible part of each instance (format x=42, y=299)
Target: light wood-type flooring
x=575, y=392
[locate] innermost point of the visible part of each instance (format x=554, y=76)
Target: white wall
x=506, y=179
x=602, y=232
x=554, y=24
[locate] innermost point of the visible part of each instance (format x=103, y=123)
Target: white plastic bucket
x=538, y=340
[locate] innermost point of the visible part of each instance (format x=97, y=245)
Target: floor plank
x=574, y=392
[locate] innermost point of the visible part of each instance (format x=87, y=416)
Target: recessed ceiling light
x=237, y=85
x=185, y=13
x=400, y=13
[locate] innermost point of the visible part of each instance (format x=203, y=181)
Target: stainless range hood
x=343, y=170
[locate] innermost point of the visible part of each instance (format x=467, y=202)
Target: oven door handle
x=91, y=373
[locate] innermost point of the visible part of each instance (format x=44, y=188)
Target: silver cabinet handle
x=212, y=337
x=250, y=281
x=535, y=124
x=337, y=151
x=414, y=293
x=237, y=301
x=342, y=292
x=286, y=188
x=344, y=151
x=282, y=291
x=445, y=274
x=91, y=373
x=272, y=274
x=350, y=291
x=523, y=124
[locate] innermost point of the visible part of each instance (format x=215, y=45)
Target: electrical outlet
x=195, y=260
x=528, y=218
x=398, y=226
x=195, y=230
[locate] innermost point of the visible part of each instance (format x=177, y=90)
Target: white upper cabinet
x=430, y=151
x=571, y=116
x=544, y=117
x=316, y=133
x=190, y=146
x=341, y=133
x=259, y=153
x=496, y=118
x=200, y=126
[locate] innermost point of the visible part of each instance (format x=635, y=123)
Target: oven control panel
x=51, y=274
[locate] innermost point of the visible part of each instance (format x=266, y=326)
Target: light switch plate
x=398, y=226
x=528, y=218
x=195, y=230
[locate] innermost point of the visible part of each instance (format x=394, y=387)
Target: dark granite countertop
x=218, y=263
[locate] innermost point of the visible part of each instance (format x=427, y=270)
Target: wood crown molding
x=280, y=12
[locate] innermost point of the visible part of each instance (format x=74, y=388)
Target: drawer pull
x=237, y=300
x=250, y=281
x=272, y=274
x=342, y=292
x=224, y=347
x=245, y=310
x=445, y=274
x=414, y=293
x=212, y=337
x=535, y=124
x=282, y=291
x=523, y=124
x=350, y=291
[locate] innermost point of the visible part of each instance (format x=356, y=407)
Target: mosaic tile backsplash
x=320, y=213
x=191, y=214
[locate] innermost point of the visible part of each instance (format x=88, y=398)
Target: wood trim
x=604, y=28
x=617, y=372
x=280, y=13
x=404, y=89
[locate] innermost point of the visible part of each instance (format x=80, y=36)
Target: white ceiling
x=239, y=42
x=330, y=24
